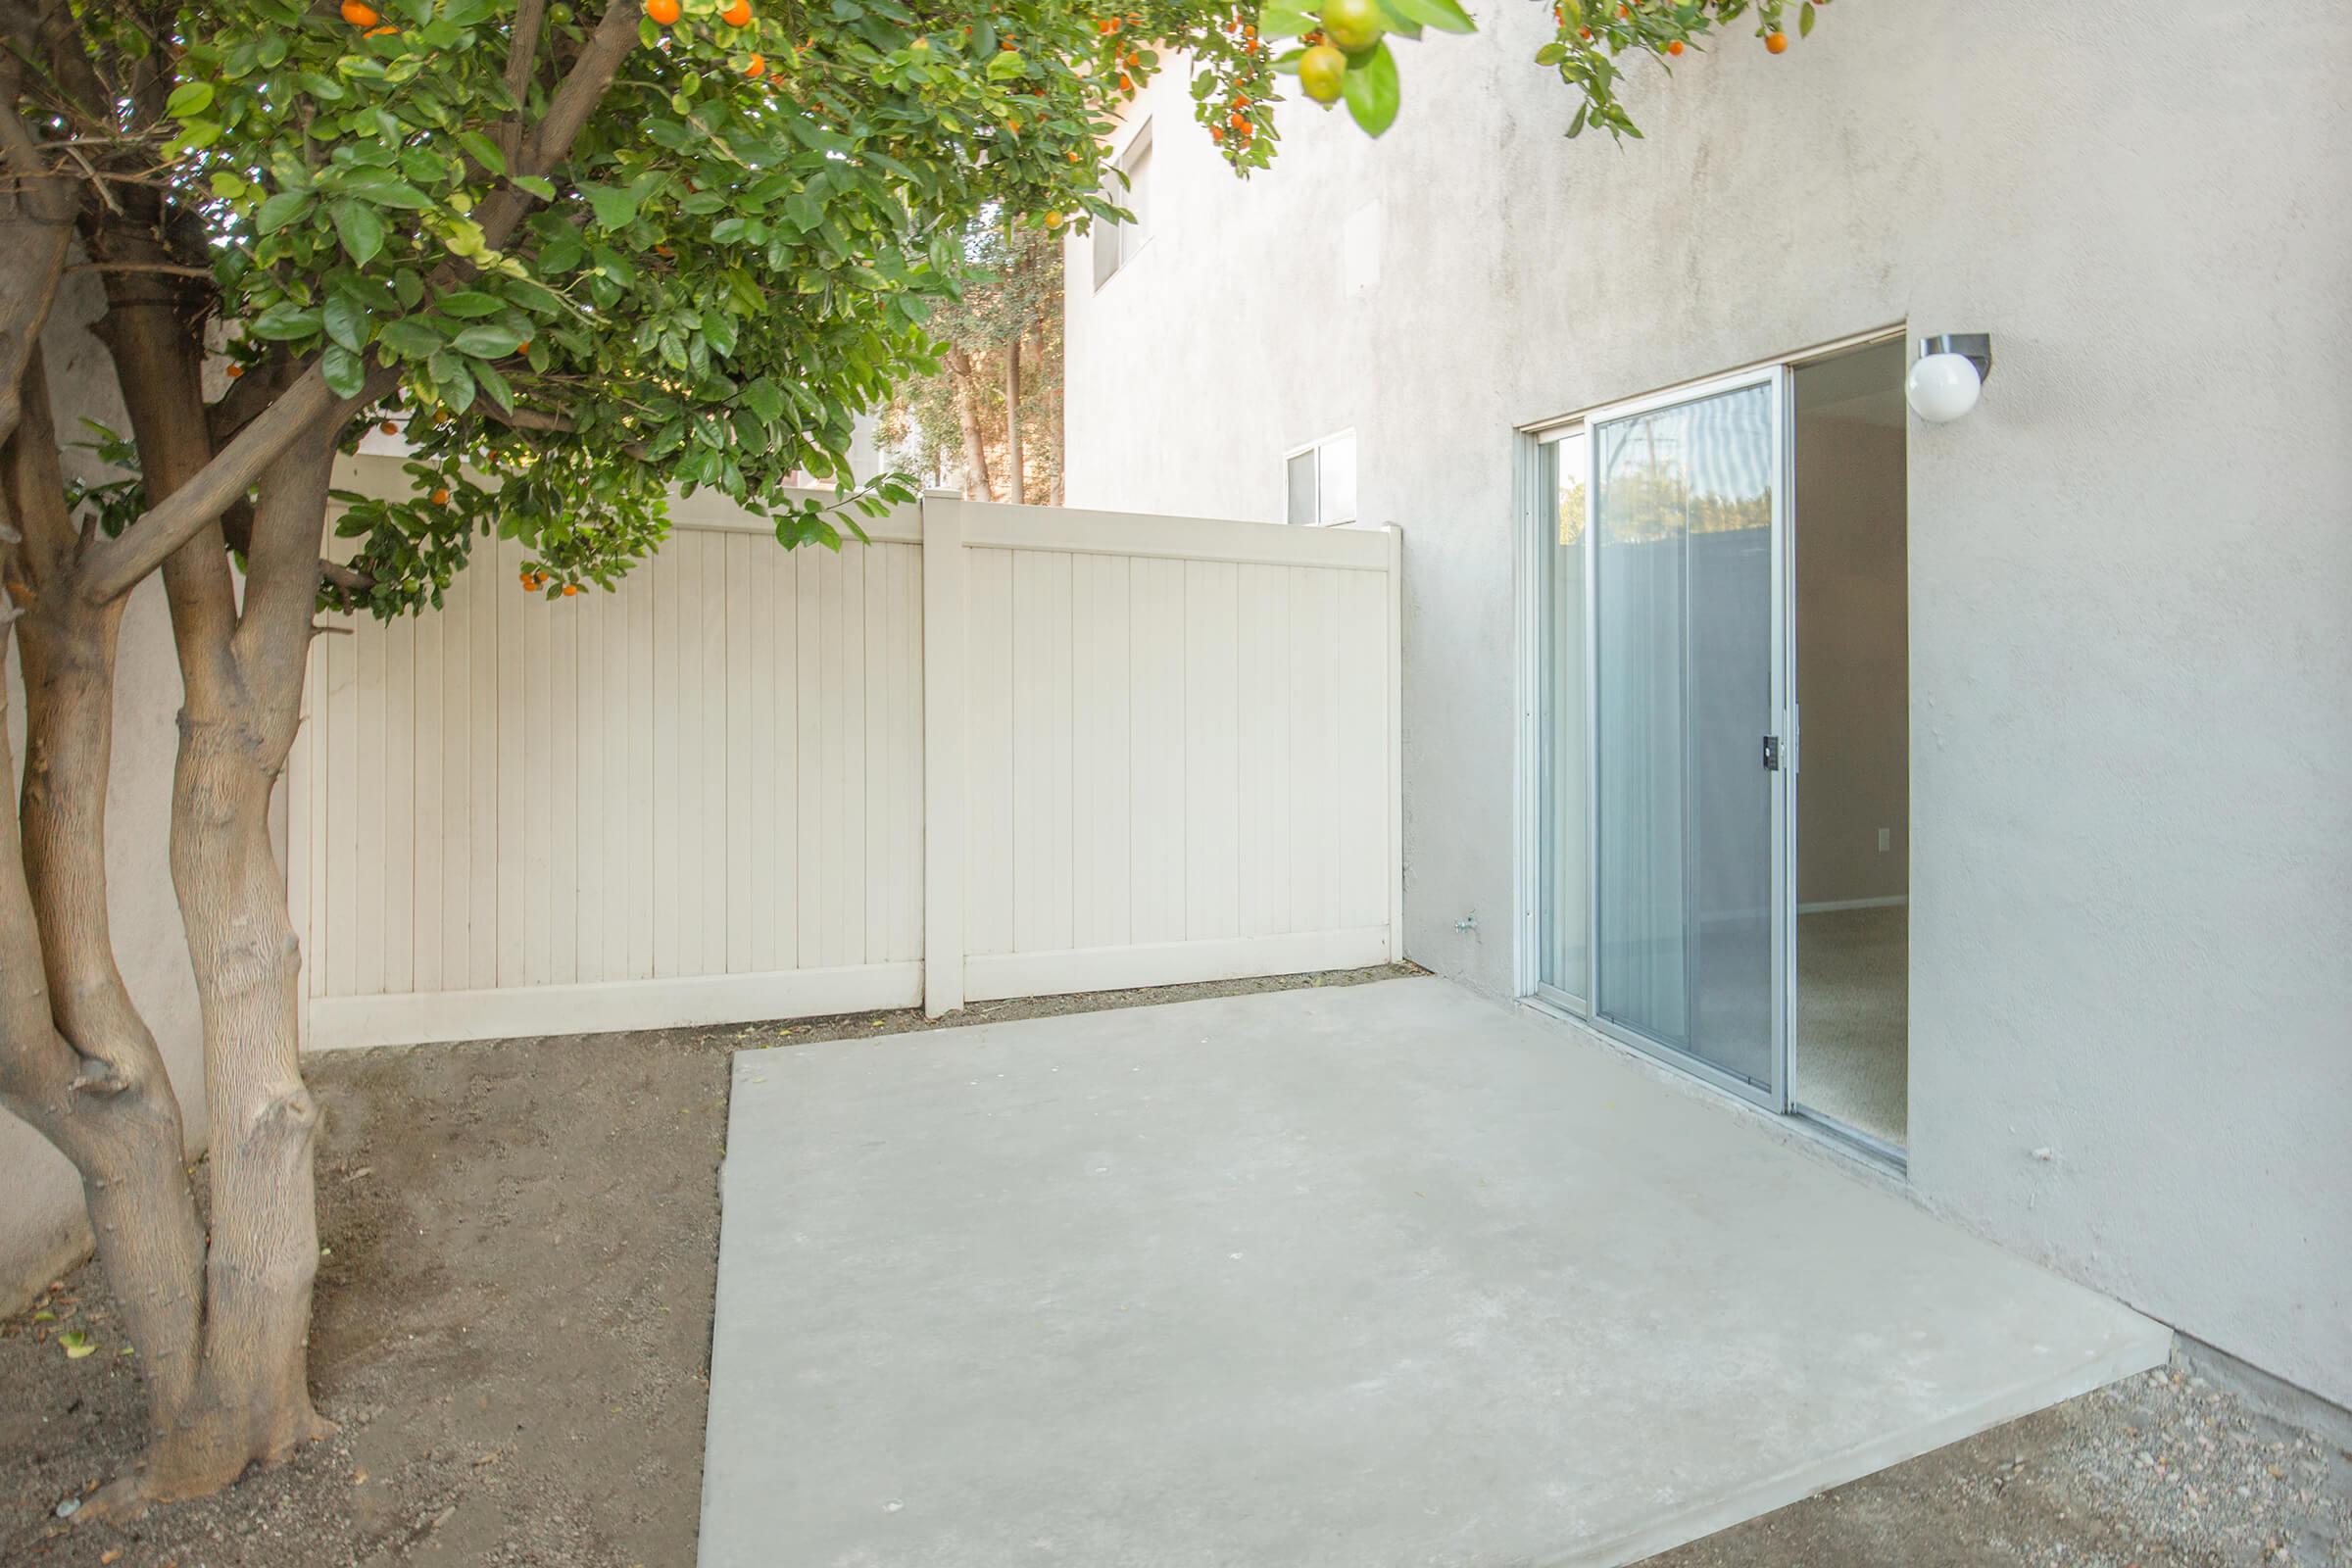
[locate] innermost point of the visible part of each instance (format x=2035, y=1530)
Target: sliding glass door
x=1686, y=687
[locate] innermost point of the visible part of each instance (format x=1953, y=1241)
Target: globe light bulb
x=1941, y=387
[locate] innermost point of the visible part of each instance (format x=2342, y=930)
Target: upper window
x=1320, y=482
x=1116, y=244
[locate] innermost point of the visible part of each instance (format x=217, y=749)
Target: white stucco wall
x=2130, y=568
x=42, y=1225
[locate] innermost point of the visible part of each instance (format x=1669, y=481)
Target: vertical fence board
x=1041, y=751
x=988, y=833
x=1360, y=653
x=1265, y=738
x=1157, y=812
x=1211, y=755
x=1103, y=886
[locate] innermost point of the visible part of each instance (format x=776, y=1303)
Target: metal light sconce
x=1949, y=372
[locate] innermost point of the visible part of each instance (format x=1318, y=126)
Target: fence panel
x=1001, y=750
x=1188, y=775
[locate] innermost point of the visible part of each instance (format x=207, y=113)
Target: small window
x=1116, y=244
x=1320, y=482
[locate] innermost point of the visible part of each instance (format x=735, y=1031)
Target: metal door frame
x=1773, y=1095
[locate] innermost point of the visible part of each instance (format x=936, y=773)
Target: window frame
x=1318, y=521
x=1126, y=241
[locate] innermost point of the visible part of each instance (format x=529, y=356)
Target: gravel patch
x=2161, y=1469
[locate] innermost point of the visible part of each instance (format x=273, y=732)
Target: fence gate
x=1001, y=750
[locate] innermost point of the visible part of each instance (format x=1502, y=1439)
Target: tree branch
x=273, y=638
x=35, y=230
x=36, y=485
x=522, y=47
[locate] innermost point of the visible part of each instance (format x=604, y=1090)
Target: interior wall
x=42, y=1225
x=1853, y=661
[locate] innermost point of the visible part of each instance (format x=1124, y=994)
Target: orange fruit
x=1674, y=46
x=571, y=588
x=389, y=428
x=1776, y=42
x=756, y=67
x=524, y=347
x=235, y=371
x=360, y=16
x=441, y=498
x=387, y=32
x=664, y=13
x=738, y=14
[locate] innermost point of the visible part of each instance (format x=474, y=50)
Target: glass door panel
x=1685, y=643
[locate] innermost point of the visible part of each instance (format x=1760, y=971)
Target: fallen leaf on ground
x=75, y=1345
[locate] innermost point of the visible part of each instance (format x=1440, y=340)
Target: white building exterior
x=2130, y=569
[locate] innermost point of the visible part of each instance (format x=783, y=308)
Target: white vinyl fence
x=1001, y=750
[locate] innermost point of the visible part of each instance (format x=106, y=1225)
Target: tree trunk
x=128, y=1144
x=1053, y=399
x=252, y=1401
x=242, y=678
x=1014, y=477
x=976, y=486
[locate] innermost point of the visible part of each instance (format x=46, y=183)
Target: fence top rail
x=996, y=525
x=1003, y=526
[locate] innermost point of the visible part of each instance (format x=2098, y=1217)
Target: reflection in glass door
x=1687, y=680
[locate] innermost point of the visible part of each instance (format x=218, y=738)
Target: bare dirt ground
x=513, y=1328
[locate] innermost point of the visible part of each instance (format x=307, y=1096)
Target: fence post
x=944, y=702
x=1396, y=867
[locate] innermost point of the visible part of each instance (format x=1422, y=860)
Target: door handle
x=1771, y=754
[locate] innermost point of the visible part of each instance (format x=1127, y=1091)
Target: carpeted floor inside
x=1851, y=1061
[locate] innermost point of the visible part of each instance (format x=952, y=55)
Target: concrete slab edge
x=2140, y=1351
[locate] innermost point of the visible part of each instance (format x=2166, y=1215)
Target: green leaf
x=283, y=323
x=1372, y=90
x=411, y=340
x=487, y=342
x=346, y=323
x=1804, y=21
x=469, y=302
x=280, y=210
x=495, y=385
x=615, y=205
x=1286, y=21
x=483, y=150
x=345, y=373
x=544, y=189
x=1443, y=15
x=189, y=100
x=360, y=229
x=764, y=400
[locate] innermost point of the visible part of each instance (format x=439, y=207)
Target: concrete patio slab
x=1355, y=1277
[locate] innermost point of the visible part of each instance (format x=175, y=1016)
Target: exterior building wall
x=2131, y=569
x=41, y=1223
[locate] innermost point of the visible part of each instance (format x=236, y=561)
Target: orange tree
x=588, y=253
